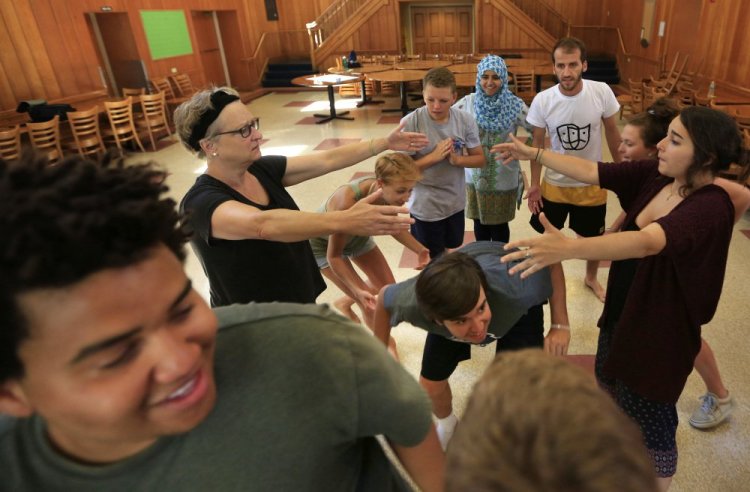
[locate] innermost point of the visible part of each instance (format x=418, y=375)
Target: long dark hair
x=717, y=141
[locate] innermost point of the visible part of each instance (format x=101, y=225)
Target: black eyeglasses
x=244, y=131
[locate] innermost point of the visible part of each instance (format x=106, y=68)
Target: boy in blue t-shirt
x=438, y=201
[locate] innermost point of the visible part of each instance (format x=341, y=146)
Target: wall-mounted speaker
x=272, y=13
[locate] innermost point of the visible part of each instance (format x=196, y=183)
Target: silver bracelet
x=558, y=326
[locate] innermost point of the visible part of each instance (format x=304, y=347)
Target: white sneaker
x=712, y=412
x=445, y=428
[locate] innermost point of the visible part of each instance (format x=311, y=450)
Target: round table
x=466, y=79
x=371, y=68
x=363, y=70
x=329, y=82
x=463, y=68
x=421, y=64
x=402, y=77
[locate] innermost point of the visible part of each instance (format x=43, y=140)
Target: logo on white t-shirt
x=573, y=137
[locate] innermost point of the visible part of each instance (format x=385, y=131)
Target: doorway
x=117, y=51
x=442, y=29
x=218, y=39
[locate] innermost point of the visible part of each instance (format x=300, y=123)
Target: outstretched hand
x=398, y=139
x=366, y=219
x=512, y=150
x=540, y=251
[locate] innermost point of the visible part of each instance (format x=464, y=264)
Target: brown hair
x=536, y=422
x=396, y=166
x=569, y=45
x=654, y=122
x=717, y=143
x=438, y=284
x=440, y=77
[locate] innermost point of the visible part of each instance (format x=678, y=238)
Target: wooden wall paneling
x=496, y=34
x=380, y=32
x=739, y=69
x=21, y=63
x=61, y=74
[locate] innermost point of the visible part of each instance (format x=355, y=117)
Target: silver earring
x=214, y=154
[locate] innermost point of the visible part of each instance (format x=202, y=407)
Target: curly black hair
x=64, y=222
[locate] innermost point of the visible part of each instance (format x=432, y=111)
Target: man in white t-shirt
x=574, y=113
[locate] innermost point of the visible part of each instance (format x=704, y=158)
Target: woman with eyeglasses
x=248, y=232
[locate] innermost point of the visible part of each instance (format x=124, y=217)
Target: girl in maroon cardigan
x=669, y=264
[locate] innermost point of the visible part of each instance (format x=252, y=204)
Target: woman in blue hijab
x=493, y=191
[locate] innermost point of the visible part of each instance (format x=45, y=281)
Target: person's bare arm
x=235, y=220
x=304, y=167
x=617, y=224
x=424, y=462
x=613, y=136
x=382, y=323
x=553, y=247
x=441, y=151
x=474, y=159
x=579, y=169
x=739, y=195
x=534, y=191
x=344, y=270
x=423, y=254
x=558, y=337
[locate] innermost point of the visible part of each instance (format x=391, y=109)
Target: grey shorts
x=357, y=246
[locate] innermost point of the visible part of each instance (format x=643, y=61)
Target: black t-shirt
x=251, y=269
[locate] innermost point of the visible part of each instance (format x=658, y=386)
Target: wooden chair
x=684, y=94
x=670, y=82
x=631, y=103
x=701, y=100
x=743, y=120
x=161, y=84
x=154, y=118
x=349, y=90
x=10, y=143
x=133, y=91
x=136, y=93
x=87, y=139
x=45, y=136
x=652, y=93
x=123, y=128
x=183, y=84
x=525, y=86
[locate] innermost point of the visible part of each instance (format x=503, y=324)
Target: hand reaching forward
x=540, y=251
x=534, y=196
x=513, y=149
x=366, y=219
x=398, y=139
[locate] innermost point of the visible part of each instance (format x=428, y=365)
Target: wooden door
x=124, y=66
x=442, y=29
x=209, y=48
